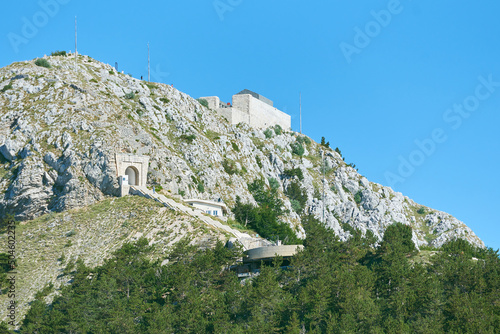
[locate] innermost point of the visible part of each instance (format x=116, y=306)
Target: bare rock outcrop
x=59, y=132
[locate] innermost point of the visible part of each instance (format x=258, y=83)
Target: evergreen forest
x=330, y=287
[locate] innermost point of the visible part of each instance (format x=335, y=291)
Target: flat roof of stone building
x=269, y=252
x=257, y=96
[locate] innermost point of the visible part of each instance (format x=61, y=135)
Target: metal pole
x=76, y=42
x=300, y=112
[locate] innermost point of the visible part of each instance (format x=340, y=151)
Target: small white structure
x=132, y=170
x=212, y=208
x=250, y=108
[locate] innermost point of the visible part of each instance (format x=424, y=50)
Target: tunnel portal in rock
x=133, y=176
x=131, y=167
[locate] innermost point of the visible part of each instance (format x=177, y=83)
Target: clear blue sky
x=375, y=76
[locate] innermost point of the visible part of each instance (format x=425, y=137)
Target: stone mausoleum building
x=132, y=170
x=250, y=108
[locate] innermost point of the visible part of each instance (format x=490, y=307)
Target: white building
x=212, y=208
x=250, y=108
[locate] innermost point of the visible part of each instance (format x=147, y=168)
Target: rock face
x=59, y=131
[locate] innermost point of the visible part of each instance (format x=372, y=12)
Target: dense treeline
x=332, y=287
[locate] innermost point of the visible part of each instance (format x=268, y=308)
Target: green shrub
x=203, y=102
x=297, y=149
x=42, y=62
x=6, y=88
x=296, y=205
x=338, y=151
x=265, y=197
x=273, y=183
x=164, y=100
x=303, y=140
x=48, y=288
x=93, y=80
x=235, y=147
x=294, y=172
x=397, y=239
x=421, y=210
x=351, y=165
x=229, y=166
x=277, y=129
x=295, y=193
x=268, y=133
x=151, y=86
x=324, y=143
x=139, y=112
x=4, y=264
x=201, y=187
x=58, y=53
x=130, y=95
x=358, y=197
x=113, y=72
x=182, y=193
x=61, y=258
x=187, y=138
x=259, y=163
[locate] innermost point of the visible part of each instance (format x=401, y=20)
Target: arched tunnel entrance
x=133, y=176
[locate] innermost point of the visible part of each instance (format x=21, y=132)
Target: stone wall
x=240, y=116
x=247, y=109
x=262, y=115
x=242, y=102
x=213, y=101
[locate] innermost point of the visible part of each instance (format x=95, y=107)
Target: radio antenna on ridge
x=76, y=42
x=300, y=113
x=149, y=68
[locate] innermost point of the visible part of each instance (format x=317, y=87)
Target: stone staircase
x=247, y=241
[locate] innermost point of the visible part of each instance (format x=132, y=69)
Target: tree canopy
x=330, y=287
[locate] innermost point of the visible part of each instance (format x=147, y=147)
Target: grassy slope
x=46, y=245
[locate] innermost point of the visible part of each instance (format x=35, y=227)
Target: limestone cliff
x=60, y=130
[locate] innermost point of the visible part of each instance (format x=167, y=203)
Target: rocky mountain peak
x=60, y=130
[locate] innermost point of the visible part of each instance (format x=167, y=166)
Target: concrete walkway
x=247, y=241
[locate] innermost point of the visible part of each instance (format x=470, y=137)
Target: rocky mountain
x=60, y=130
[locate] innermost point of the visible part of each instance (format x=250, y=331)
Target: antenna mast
x=300, y=112
x=149, y=68
x=76, y=42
